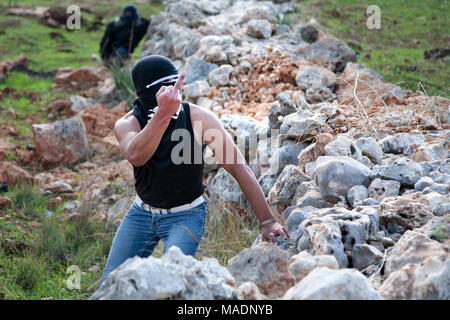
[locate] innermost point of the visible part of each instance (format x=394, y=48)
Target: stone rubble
x=174, y=276
x=265, y=265
x=328, y=284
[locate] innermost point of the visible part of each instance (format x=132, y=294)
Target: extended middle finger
x=179, y=81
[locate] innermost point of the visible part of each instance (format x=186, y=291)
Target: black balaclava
x=149, y=74
x=149, y=70
x=128, y=20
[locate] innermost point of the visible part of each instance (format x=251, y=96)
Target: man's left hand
x=273, y=229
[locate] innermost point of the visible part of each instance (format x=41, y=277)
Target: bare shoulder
x=207, y=117
x=127, y=123
x=128, y=118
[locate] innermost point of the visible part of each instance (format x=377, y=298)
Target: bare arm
x=139, y=146
x=232, y=160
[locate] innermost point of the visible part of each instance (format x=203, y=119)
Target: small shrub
x=282, y=20
x=118, y=188
x=12, y=3
x=51, y=241
x=10, y=156
x=29, y=271
x=156, y=2
x=79, y=240
x=227, y=233
x=29, y=201
x=123, y=80
x=438, y=234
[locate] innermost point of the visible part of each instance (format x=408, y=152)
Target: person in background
x=123, y=35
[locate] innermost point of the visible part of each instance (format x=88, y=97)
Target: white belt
x=184, y=207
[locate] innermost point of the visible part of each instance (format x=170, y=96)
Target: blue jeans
x=121, y=53
x=140, y=231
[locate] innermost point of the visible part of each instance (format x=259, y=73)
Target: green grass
x=30, y=271
x=33, y=277
x=21, y=105
x=30, y=98
x=45, y=53
x=36, y=249
x=438, y=234
x=28, y=201
x=22, y=81
x=408, y=28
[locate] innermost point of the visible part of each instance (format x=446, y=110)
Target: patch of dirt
x=252, y=92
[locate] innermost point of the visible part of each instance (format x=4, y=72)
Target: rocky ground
x=357, y=168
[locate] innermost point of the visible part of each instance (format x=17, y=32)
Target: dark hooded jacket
x=117, y=34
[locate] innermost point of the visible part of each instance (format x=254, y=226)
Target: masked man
x=123, y=35
x=164, y=139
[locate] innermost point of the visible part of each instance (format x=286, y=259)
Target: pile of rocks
x=417, y=267
x=238, y=58
x=174, y=276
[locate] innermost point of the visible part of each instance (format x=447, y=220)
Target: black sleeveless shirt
x=161, y=183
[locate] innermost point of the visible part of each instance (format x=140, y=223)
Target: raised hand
x=169, y=98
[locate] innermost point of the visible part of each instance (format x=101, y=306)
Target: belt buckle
x=158, y=210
